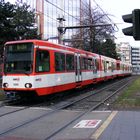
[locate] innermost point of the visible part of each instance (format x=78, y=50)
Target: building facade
x=124, y=51
x=70, y=11
x=135, y=56
x=50, y=11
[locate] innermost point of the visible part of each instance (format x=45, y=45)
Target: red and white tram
x=41, y=67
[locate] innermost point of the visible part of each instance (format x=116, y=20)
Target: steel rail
x=12, y=128
x=85, y=112
x=10, y=112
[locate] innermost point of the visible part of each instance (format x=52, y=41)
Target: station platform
x=96, y=125
x=122, y=125
x=125, y=125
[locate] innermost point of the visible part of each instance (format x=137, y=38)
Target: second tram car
x=41, y=67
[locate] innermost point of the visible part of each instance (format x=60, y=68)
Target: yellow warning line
x=100, y=130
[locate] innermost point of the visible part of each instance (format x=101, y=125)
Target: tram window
x=90, y=64
x=109, y=66
x=105, y=66
x=96, y=64
x=69, y=62
x=118, y=66
x=113, y=66
x=43, y=61
x=121, y=67
x=102, y=64
x=59, y=61
x=84, y=63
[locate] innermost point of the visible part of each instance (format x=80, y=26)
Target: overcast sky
x=119, y=8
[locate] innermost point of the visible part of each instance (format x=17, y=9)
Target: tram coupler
x=11, y=95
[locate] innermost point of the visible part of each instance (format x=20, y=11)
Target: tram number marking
x=87, y=124
x=15, y=84
x=16, y=79
x=38, y=79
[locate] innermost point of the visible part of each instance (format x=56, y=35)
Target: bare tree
x=91, y=38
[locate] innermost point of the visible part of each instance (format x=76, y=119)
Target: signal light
x=133, y=18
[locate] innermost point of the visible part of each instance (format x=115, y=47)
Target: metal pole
x=60, y=30
x=40, y=17
x=61, y=20
x=81, y=29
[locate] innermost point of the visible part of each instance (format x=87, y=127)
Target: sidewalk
x=124, y=126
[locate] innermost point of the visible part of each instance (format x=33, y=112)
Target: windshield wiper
x=26, y=73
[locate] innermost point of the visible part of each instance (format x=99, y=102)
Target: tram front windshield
x=18, y=58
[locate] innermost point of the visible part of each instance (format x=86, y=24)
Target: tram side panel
x=63, y=74
x=66, y=68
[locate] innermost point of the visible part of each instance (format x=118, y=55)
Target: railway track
x=64, y=106
x=68, y=103
x=52, y=100
x=94, y=98
x=92, y=108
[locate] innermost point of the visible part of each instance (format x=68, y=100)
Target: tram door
x=94, y=66
x=78, y=73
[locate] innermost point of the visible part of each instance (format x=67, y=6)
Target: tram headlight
x=5, y=85
x=28, y=85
